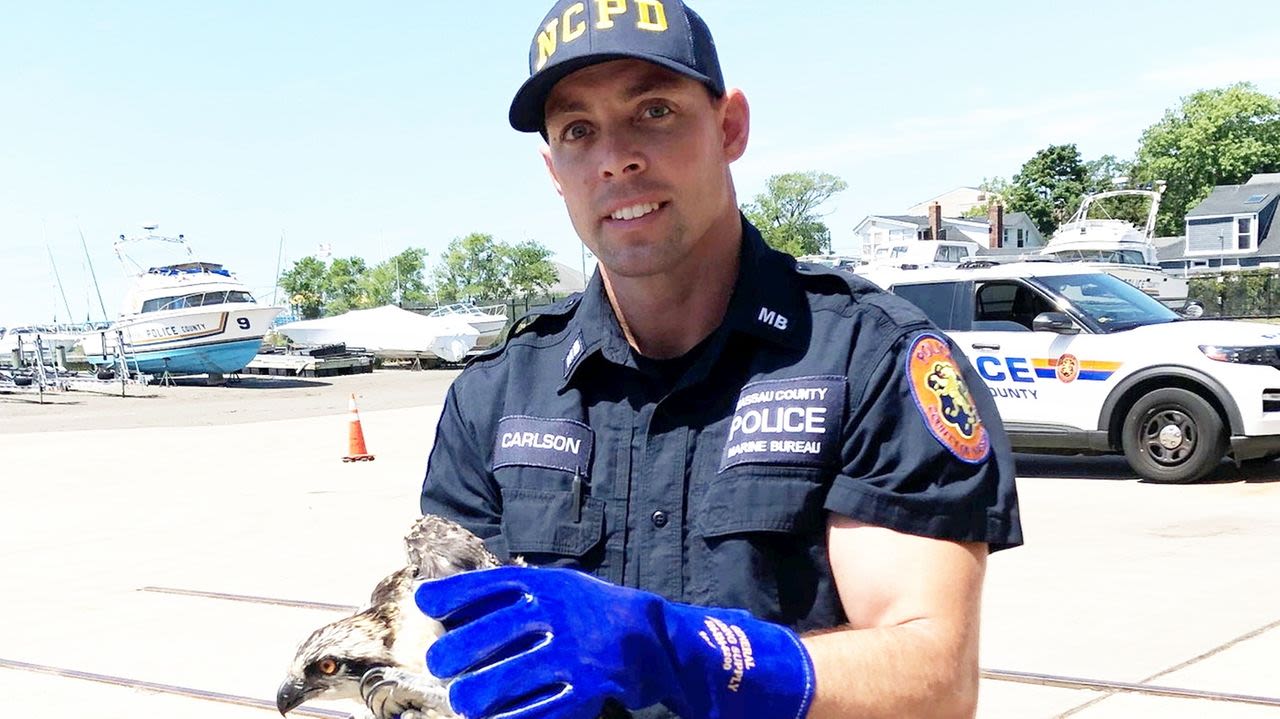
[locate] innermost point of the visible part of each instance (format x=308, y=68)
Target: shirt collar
x=767, y=303
x=595, y=330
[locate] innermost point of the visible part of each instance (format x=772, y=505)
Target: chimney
x=995, y=218
x=935, y=221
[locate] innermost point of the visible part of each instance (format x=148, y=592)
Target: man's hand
x=533, y=643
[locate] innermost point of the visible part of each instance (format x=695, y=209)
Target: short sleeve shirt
x=818, y=394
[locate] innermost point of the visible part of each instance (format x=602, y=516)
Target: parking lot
x=140, y=550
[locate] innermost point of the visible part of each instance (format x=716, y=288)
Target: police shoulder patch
x=944, y=401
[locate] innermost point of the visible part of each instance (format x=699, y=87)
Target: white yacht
x=1118, y=247
x=489, y=321
x=185, y=318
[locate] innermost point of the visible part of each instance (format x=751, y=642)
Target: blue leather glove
x=530, y=643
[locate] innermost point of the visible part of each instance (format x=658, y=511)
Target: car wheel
x=1173, y=435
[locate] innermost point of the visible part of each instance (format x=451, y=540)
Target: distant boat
x=64, y=336
x=389, y=332
x=186, y=318
x=489, y=321
x=1118, y=247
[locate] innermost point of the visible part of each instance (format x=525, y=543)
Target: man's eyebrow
x=560, y=104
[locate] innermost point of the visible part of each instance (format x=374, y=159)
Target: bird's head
x=331, y=662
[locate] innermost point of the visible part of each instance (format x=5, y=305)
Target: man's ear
x=735, y=123
x=551, y=169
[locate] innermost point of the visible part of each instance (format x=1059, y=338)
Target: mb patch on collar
x=573, y=355
x=562, y=444
x=944, y=401
x=786, y=421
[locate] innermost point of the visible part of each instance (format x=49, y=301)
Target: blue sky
x=372, y=127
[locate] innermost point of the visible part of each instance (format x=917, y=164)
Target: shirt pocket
x=542, y=526
x=761, y=543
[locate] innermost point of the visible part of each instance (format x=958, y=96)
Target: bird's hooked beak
x=291, y=693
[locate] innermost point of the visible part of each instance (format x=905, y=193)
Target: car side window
x=938, y=300
x=1010, y=306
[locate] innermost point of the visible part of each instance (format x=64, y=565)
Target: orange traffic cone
x=356, y=451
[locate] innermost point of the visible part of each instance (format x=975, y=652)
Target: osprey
x=378, y=654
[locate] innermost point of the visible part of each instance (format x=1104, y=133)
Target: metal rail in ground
x=1050, y=680
x=249, y=598
x=220, y=697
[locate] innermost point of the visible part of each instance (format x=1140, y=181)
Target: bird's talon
x=376, y=675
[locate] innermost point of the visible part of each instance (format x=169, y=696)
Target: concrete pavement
x=1123, y=581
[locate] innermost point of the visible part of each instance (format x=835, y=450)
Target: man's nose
x=620, y=156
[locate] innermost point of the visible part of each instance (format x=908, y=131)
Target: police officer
x=771, y=484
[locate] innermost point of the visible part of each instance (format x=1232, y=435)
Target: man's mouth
x=635, y=211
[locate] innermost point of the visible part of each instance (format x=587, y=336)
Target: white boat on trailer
x=186, y=318
x=389, y=332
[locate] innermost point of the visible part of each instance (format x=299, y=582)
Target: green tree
x=398, y=280
x=1216, y=137
x=995, y=188
x=1049, y=187
x=529, y=270
x=342, y=285
x=787, y=212
x=472, y=268
x=304, y=283
x=1108, y=173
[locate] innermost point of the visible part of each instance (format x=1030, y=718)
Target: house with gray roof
x=877, y=233
x=1233, y=228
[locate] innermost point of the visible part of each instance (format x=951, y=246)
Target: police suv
x=1080, y=362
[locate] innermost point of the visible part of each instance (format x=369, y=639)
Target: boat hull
x=1169, y=290
x=210, y=340
x=219, y=358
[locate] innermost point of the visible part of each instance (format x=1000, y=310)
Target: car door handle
x=985, y=346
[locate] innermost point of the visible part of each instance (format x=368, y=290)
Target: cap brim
x=529, y=106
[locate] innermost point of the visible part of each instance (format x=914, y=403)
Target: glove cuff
x=734, y=665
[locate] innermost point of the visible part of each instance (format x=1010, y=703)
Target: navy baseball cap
x=579, y=33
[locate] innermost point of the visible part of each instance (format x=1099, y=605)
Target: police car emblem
x=944, y=401
x=1067, y=368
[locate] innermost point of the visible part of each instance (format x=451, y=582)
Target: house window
x=1019, y=237
x=1244, y=233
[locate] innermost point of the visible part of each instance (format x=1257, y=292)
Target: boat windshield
x=1114, y=304
x=198, y=299
x=1119, y=257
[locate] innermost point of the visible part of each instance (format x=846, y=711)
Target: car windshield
x=1114, y=304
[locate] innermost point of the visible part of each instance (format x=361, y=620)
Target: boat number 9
x=243, y=322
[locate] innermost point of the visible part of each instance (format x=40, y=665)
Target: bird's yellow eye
x=327, y=666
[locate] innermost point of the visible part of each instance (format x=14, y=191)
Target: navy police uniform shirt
x=709, y=481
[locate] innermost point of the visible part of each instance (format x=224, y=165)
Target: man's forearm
x=916, y=669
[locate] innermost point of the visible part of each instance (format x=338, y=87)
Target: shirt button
x=659, y=519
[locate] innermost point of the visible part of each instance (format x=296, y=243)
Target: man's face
x=641, y=155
